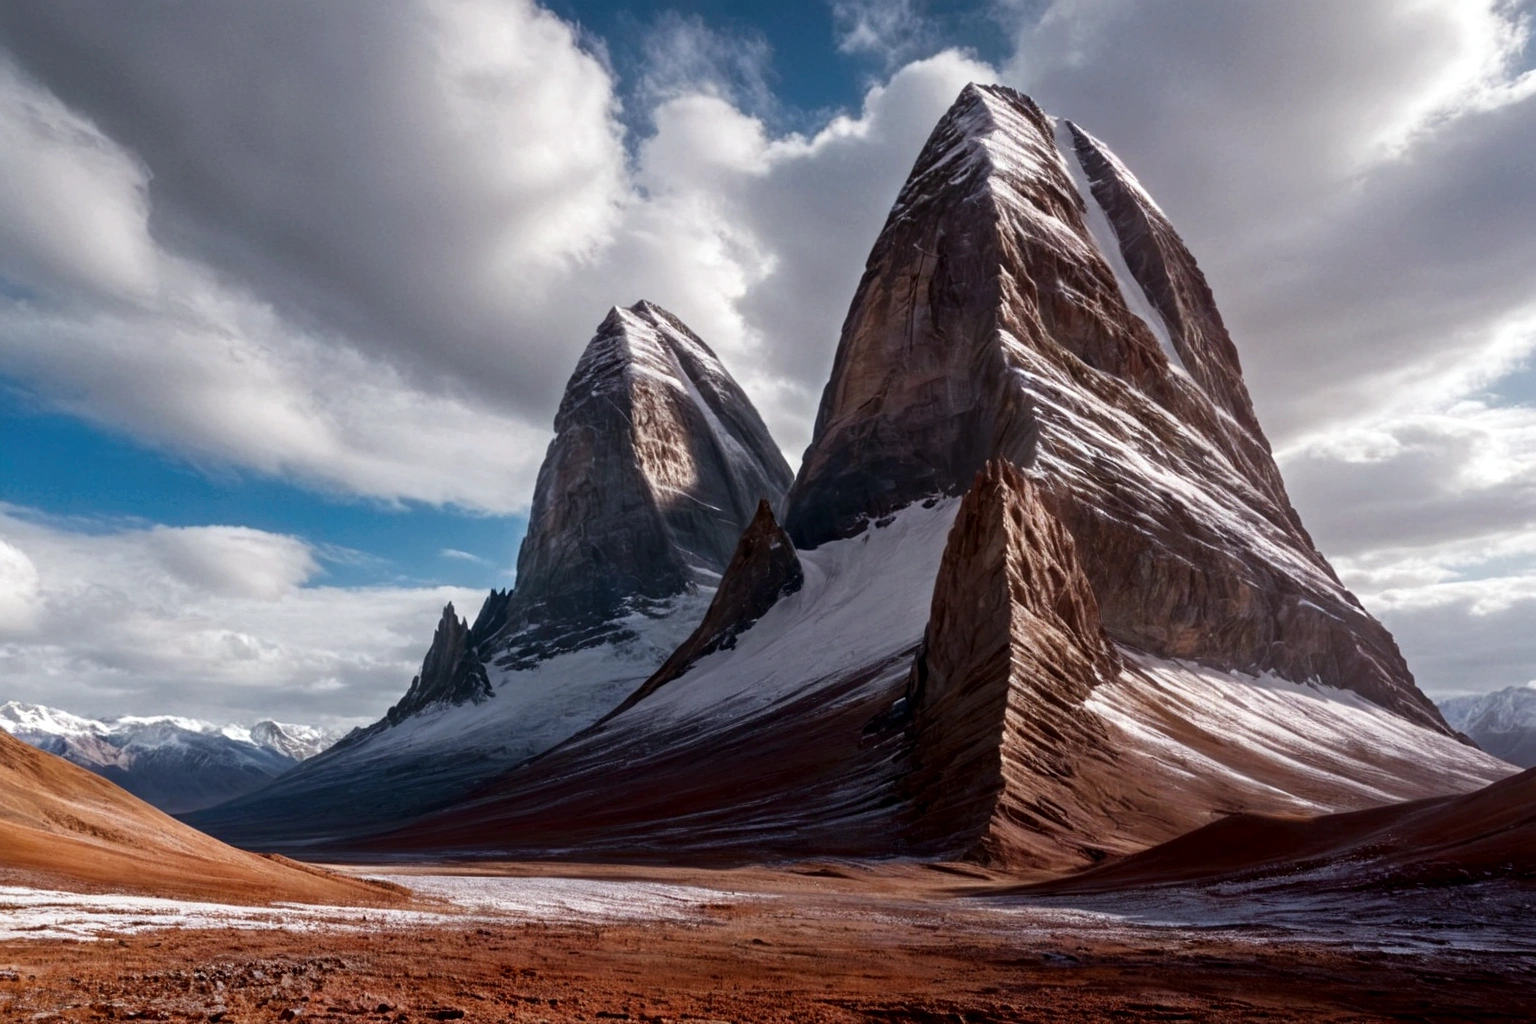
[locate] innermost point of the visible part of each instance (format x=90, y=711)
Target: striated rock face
x=1012, y=650
x=997, y=697
x=1184, y=310
x=658, y=462
x=994, y=321
x=763, y=569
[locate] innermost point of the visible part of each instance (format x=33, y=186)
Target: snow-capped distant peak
x=17, y=717
x=37, y=721
x=300, y=742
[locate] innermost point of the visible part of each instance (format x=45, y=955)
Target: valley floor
x=812, y=942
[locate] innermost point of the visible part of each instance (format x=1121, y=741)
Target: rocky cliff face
x=1012, y=650
x=658, y=463
x=992, y=322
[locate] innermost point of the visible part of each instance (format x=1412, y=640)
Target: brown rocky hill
x=62, y=827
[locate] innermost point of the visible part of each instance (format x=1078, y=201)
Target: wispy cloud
x=463, y=556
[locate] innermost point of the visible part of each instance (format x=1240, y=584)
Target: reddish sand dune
x=62, y=827
x=1489, y=832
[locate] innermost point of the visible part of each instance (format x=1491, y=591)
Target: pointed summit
x=658, y=463
x=447, y=677
x=1027, y=301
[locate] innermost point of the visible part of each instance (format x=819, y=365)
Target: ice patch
x=32, y=914
x=1108, y=243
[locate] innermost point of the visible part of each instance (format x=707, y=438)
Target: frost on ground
x=1485, y=917
x=570, y=899
x=27, y=913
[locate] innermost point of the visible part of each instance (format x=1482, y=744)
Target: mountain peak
x=446, y=677
x=658, y=463
x=1026, y=301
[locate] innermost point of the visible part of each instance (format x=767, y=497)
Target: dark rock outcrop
x=989, y=324
x=447, y=676
x=763, y=569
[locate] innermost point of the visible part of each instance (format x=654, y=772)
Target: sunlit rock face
x=1012, y=651
x=1027, y=300
x=658, y=464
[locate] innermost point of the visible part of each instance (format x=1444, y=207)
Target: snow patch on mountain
x=863, y=600
x=1108, y=244
x=178, y=764
x=1298, y=742
x=1502, y=723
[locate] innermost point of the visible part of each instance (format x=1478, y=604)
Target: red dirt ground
x=779, y=959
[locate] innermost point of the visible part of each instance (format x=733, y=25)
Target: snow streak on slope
x=862, y=600
x=758, y=749
x=1289, y=747
x=1108, y=244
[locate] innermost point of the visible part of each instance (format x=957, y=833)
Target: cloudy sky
x=288, y=291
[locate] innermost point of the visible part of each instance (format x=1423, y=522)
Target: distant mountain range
x=176, y=764
x=1502, y=723
x=1037, y=596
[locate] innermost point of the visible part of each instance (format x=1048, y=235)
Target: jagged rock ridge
x=763, y=569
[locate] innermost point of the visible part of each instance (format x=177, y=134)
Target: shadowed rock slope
x=658, y=464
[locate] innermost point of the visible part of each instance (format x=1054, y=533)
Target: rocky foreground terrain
x=824, y=942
